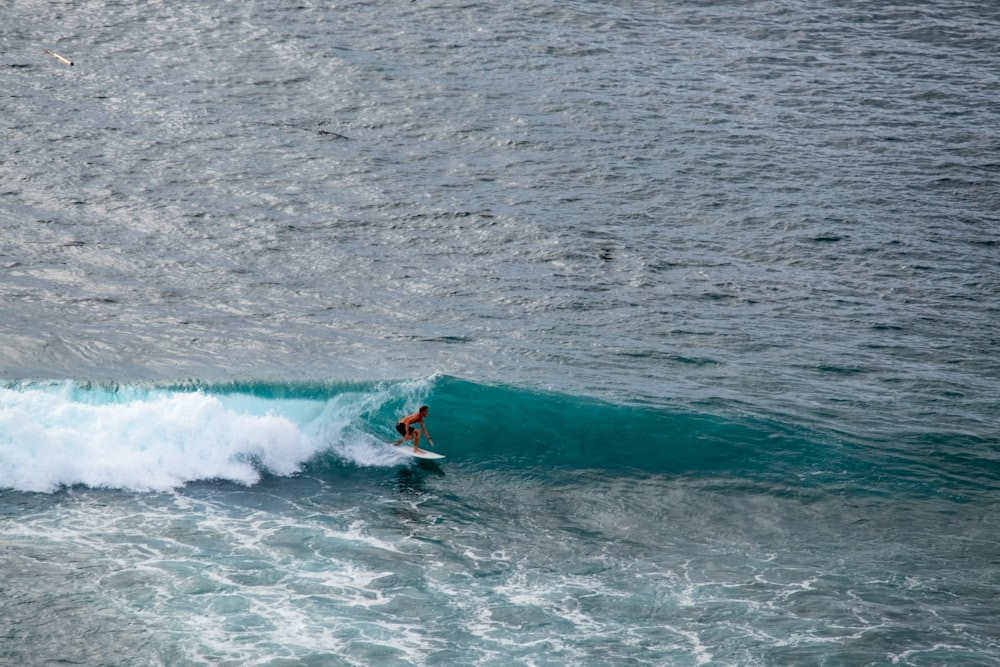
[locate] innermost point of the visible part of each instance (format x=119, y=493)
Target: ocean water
x=703, y=296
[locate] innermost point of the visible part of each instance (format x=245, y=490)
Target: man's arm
x=426, y=432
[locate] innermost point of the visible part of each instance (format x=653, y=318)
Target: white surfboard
x=422, y=454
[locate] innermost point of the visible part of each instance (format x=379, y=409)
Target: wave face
x=157, y=437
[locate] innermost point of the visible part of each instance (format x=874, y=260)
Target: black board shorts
x=403, y=429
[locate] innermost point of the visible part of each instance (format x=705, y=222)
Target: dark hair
x=424, y=407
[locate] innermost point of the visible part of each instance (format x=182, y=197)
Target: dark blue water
x=702, y=295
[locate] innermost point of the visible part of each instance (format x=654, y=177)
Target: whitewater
x=702, y=297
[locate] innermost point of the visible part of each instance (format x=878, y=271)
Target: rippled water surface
x=703, y=295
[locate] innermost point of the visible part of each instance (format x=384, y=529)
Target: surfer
x=406, y=429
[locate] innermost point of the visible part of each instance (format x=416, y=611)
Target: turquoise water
x=273, y=524
x=702, y=297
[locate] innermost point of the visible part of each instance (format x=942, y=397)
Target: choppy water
x=703, y=297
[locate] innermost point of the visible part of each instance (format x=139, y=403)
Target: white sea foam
x=54, y=436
